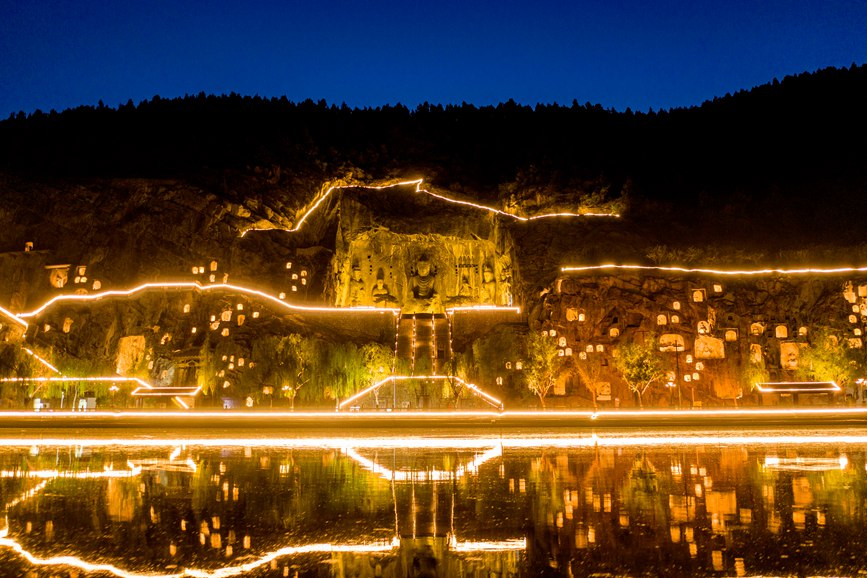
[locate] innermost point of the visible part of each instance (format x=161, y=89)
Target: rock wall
x=709, y=327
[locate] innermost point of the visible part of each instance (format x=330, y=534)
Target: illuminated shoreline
x=579, y=419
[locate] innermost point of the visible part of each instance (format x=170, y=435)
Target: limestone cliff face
x=708, y=327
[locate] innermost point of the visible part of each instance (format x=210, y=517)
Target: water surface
x=410, y=503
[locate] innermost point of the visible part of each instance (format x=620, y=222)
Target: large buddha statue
x=423, y=297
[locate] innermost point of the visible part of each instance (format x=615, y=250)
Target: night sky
x=639, y=54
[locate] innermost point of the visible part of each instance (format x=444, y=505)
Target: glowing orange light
x=198, y=287
x=418, y=189
x=516, y=310
x=64, y=378
x=14, y=317
x=806, y=271
x=42, y=361
x=166, y=391
x=798, y=387
x=484, y=442
x=425, y=475
x=805, y=464
x=487, y=397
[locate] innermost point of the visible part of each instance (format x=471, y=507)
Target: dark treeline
x=783, y=136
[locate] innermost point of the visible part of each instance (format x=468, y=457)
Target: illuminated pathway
x=419, y=190
x=424, y=420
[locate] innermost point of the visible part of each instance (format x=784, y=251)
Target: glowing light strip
x=166, y=391
x=421, y=415
x=43, y=361
x=489, y=398
x=185, y=285
x=26, y=495
x=54, y=474
x=809, y=386
x=418, y=189
x=14, y=317
x=510, y=215
x=498, y=546
x=806, y=464
x=147, y=464
x=451, y=310
x=405, y=441
x=807, y=271
x=425, y=475
x=65, y=378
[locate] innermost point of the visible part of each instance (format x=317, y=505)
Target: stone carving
x=357, y=291
x=671, y=342
x=505, y=289
x=58, y=276
x=423, y=297
x=789, y=353
x=757, y=328
x=755, y=353
x=849, y=292
x=707, y=347
x=380, y=293
x=489, y=287
x=571, y=314
x=781, y=332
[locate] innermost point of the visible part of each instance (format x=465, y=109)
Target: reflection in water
x=493, y=507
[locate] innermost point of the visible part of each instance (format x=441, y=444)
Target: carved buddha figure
x=380, y=293
x=422, y=289
x=357, y=292
x=489, y=287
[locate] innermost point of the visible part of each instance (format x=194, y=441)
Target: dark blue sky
x=651, y=53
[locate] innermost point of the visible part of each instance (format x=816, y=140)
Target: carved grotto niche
x=707, y=347
x=789, y=353
x=755, y=353
x=58, y=275
x=781, y=332
x=757, y=328
x=671, y=342
x=731, y=335
x=849, y=293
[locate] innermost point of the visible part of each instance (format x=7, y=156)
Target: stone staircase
x=423, y=338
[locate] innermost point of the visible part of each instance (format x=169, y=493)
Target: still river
x=456, y=503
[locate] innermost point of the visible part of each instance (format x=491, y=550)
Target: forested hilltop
x=784, y=163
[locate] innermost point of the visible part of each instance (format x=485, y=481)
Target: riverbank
x=275, y=420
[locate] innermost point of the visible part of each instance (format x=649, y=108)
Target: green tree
x=639, y=366
x=543, y=364
x=283, y=362
x=589, y=369
x=829, y=358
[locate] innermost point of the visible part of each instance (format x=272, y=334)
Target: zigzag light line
x=420, y=190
